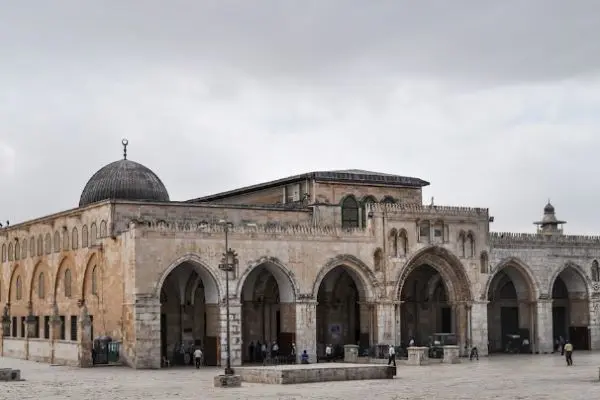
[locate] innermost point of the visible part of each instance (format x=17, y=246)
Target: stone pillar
x=306, y=328
x=146, y=324
x=451, y=355
x=418, y=355
x=398, y=322
x=235, y=331
x=479, y=326
x=386, y=323
x=594, y=308
x=6, y=321
x=350, y=353
x=544, y=325
x=85, y=339
x=55, y=328
x=366, y=326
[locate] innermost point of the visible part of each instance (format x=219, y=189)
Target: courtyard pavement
x=499, y=377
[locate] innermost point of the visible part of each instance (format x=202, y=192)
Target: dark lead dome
x=124, y=180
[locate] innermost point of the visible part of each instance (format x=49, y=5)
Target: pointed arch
x=32, y=246
x=17, y=272
x=66, y=263
x=56, y=241
x=3, y=259
x=103, y=229
x=403, y=243
x=364, y=278
x=65, y=239
x=39, y=268
x=393, y=242
x=462, y=240
x=285, y=278
x=24, y=248
x=93, y=272
x=10, y=252
x=470, y=243
x=574, y=278
x=484, y=262
x=84, y=237
x=213, y=287
x=519, y=273
x=446, y=264
x=74, y=238
x=17, y=250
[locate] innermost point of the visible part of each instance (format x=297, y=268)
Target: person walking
x=569, y=353
x=198, y=357
x=391, y=355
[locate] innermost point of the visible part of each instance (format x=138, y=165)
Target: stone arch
x=74, y=238
x=65, y=239
x=213, y=287
x=285, y=278
x=40, y=267
x=3, y=259
x=24, y=248
x=48, y=244
x=574, y=278
x=17, y=272
x=10, y=252
x=32, y=246
x=364, y=278
x=93, y=234
x=84, y=236
x=446, y=264
x=393, y=242
x=521, y=276
x=484, y=262
x=86, y=284
x=66, y=263
x=103, y=229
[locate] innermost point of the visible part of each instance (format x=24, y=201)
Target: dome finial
x=124, y=142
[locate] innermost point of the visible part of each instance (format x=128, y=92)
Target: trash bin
x=100, y=349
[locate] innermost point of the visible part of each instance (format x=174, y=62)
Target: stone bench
x=451, y=355
x=418, y=355
x=8, y=374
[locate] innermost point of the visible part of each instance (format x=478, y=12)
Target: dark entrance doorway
x=446, y=320
x=509, y=320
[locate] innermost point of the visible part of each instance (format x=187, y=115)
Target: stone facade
x=380, y=268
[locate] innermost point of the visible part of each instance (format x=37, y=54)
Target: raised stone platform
x=8, y=374
x=307, y=373
x=227, y=381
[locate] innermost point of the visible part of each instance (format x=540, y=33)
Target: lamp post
x=228, y=263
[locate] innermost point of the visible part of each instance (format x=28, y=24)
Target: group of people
x=263, y=352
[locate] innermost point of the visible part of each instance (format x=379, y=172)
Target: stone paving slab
x=540, y=377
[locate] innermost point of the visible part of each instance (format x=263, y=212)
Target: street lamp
x=228, y=264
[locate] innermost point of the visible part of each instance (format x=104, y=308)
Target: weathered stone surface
x=350, y=353
x=325, y=372
x=451, y=355
x=418, y=356
x=228, y=381
x=8, y=374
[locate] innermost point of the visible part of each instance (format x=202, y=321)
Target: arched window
x=484, y=263
x=471, y=244
x=24, y=249
x=388, y=200
x=378, y=259
x=10, y=252
x=84, y=236
x=595, y=271
x=56, y=242
x=350, y=213
x=17, y=251
x=94, y=281
x=65, y=240
x=3, y=252
x=48, y=243
x=19, y=288
x=40, y=245
x=103, y=229
x=393, y=243
x=32, y=247
x=461, y=244
x=402, y=243
x=93, y=234
x=74, y=239
x=41, y=286
x=424, y=232
x=67, y=283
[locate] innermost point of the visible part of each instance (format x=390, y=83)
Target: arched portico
x=189, y=295
x=570, y=305
x=435, y=297
x=512, y=293
x=344, y=289
x=267, y=291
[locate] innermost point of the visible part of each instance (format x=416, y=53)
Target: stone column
x=479, y=326
x=5, y=331
x=55, y=327
x=306, y=328
x=85, y=340
x=386, y=322
x=235, y=330
x=544, y=325
x=29, y=330
x=595, y=322
x=146, y=325
x=398, y=322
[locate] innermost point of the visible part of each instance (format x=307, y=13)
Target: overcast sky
x=496, y=103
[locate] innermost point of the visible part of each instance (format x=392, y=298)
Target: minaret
x=549, y=225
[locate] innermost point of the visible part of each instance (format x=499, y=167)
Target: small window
x=19, y=288
x=74, y=239
x=56, y=242
x=65, y=240
x=15, y=327
x=84, y=236
x=10, y=252
x=350, y=213
x=67, y=283
x=595, y=271
x=93, y=234
x=17, y=251
x=63, y=328
x=3, y=253
x=24, y=249
x=94, y=281
x=424, y=231
x=48, y=244
x=46, y=327
x=32, y=247
x=74, y=328
x=41, y=286
x=40, y=245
